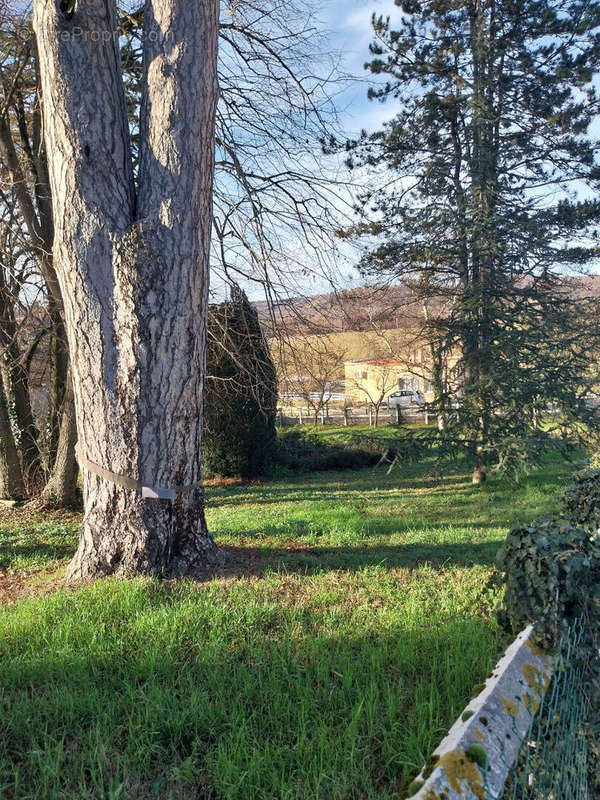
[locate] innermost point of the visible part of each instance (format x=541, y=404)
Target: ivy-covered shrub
x=551, y=567
x=552, y=575
x=580, y=502
x=302, y=452
x=240, y=393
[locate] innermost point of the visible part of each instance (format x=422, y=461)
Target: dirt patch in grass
x=226, y=483
x=16, y=586
x=241, y=563
x=29, y=514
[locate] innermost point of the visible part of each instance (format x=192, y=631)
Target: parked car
x=404, y=398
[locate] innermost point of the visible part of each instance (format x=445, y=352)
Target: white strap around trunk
x=149, y=492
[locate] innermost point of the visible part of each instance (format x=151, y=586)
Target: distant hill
x=369, y=308
x=362, y=309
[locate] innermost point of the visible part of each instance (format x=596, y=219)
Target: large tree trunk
x=11, y=477
x=61, y=488
x=134, y=272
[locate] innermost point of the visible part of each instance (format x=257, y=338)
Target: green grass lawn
x=343, y=637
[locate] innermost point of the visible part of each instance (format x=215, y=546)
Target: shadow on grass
x=330, y=493
x=371, y=483
x=112, y=704
x=35, y=550
x=295, y=550
x=376, y=486
x=309, y=560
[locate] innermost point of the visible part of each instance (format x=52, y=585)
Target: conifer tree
x=491, y=199
x=240, y=392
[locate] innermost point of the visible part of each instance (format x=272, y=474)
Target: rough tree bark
x=11, y=477
x=59, y=360
x=16, y=388
x=133, y=269
x=61, y=489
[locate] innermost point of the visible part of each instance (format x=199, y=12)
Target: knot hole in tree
x=68, y=7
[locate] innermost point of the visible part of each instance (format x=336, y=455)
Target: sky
x=348, y=26
x=348, y=23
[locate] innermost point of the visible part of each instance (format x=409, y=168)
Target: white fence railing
x=298, y=416
x=473, y=761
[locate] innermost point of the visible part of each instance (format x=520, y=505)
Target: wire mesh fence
x=553, y=759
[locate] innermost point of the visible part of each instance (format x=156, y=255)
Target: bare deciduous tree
x=29, y=273
x=308, y=367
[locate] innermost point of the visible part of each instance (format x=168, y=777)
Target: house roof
x=382, y=362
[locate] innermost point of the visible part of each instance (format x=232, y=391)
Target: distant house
x=370, y=380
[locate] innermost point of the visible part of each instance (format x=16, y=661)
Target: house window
x=360, y=376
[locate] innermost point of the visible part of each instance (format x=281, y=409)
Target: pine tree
x=240, y=396
x=490, y=158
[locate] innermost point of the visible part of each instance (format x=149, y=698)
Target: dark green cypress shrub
x=240, y=393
